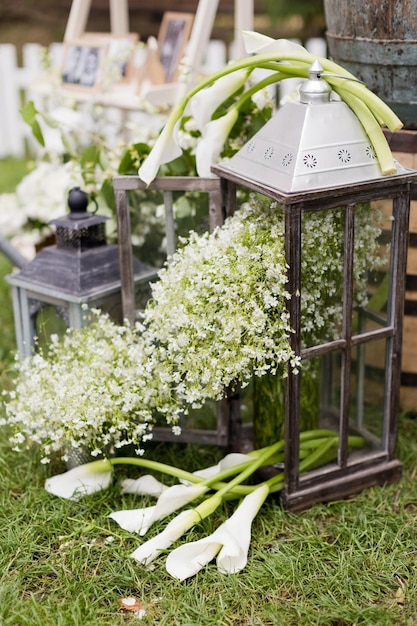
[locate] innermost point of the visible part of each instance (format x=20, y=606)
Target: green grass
x=337, y=564
x=11, y=172
x=344, y=563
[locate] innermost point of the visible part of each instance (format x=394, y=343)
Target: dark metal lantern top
x=81, y=263
x=79, y=230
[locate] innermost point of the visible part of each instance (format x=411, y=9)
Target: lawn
x=65, y=563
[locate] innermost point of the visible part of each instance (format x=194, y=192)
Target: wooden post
x=119, y=17
x=243, y=21
x=77, y=19
x=199, y=39
x=80, y=9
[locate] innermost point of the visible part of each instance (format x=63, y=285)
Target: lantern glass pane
x=48, y=320
x=142, y=294
x=111, y=306
x=372, y=265
x=369, y=371
x=149, y=224
x=321, y=276
x=328, y=368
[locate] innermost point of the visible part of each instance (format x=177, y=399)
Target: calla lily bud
x=151, y=549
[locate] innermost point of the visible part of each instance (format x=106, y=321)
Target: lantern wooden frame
x=346, y=476
x=228, y=432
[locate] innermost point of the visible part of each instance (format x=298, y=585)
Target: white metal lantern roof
x=312, y=143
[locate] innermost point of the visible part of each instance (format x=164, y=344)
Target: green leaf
x=107, y=192
x=132, y=158
x=37, y=133
x=90, y=157
x=29, y=113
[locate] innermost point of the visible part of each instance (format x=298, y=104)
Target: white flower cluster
x=88, y=390
x=218, y=311
x=218, y=315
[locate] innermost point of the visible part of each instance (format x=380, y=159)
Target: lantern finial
x=315, y=90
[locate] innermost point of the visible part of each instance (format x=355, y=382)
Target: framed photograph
x=173, y=35
x=83, y=63
x=120, y=54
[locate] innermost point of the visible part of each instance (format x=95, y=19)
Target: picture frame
x=83, y=63
x=172, y=38
x=120, y=53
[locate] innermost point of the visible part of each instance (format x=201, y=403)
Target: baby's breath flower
x=217, y=316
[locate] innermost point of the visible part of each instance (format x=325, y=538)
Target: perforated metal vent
x=82, y=238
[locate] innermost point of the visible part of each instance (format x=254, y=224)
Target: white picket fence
x=15, y=82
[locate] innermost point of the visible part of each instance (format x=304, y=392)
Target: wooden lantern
x=312, y=157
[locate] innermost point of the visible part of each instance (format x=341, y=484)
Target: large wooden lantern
x=313, y=159
x=52, y=291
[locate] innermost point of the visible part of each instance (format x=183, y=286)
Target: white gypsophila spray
x=85, y=391
x=217, y=316
x=218, y=311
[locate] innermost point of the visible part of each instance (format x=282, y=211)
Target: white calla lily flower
x=189, y=558
x=212, y=142
x=81, y=480
x=205, y=102
x=170, y=500
x=133, y=520
x=146, y=485
x=233, y=556
x=230, y=542
x=166, y=149
x=151, y=549
x=256, y=43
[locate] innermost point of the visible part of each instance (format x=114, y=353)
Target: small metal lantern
x=313, y=155
x=80, y=269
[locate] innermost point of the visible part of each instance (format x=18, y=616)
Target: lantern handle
x=96, y=204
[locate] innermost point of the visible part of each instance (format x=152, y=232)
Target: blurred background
x=44, y=21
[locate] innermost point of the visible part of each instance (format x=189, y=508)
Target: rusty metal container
x=377, y=41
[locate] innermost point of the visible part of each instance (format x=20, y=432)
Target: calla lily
x=133, y=520
x=145, y=485
x=166, y=149
x=256, y=43
x=170, y=500
x=81, y=480
x=230, y=541
x=205, y=102
x=151, y=549
x=230, y=460
x=212, y=142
